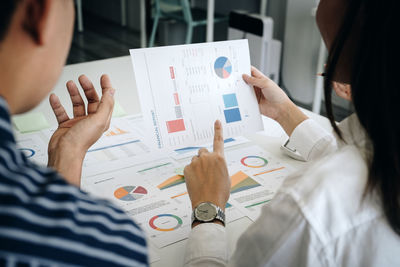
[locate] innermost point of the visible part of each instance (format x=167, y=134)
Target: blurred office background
x=109, y=28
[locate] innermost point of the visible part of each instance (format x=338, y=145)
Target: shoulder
x=330, y=192
x=59, y=217
x=329, y=198
x=344, y=169
x=319, y=218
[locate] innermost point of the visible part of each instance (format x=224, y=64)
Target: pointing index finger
x=218, y=138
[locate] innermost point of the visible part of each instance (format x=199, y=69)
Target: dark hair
x=375, y=93
x=7, y=9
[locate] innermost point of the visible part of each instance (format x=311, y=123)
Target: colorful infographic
x=165, y=222
x=254, y=161
x=241, y=181
x=130, y=193
x=33, y=147
x=223, y=67
x=177, y=124
x=172, y=181
x=28, y=152
x=183, y=89
x=115, y=132
x=231, y=111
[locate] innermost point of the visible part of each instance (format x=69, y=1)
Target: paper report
x=184, y=89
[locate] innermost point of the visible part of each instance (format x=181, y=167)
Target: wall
x=293, y=25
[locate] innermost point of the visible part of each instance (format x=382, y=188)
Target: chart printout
x=184, y=89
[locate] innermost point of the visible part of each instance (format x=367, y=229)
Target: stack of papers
x=138, y=163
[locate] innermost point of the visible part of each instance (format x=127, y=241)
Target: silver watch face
x=205, y=212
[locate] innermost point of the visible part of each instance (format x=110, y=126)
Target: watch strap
x=220, y=215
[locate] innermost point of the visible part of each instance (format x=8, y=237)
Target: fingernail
x=111, y=91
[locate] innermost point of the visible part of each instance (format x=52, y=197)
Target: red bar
x=175, y=126
x=176, y=98
x=171, y=70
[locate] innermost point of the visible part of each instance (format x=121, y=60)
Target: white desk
x=121, y=73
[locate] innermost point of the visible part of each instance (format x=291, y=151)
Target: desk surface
x=121, y=74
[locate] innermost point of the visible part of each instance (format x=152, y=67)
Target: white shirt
x=317, y=218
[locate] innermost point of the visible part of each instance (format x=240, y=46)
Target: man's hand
x=207, y=177
x=273, y=101
x=72, y=139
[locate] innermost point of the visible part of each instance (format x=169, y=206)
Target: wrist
x=67, y=160
x=290, y=117
x=196, y=223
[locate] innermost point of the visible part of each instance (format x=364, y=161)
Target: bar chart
x=184, y=89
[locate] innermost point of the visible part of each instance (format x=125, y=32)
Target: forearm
x=290, y=117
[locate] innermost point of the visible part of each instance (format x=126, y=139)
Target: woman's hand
x=273, y=101
x=207, y=177
x=72, y=139
x=271, y=98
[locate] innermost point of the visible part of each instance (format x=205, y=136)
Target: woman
x=344, y=210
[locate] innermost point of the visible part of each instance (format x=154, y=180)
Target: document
x=188, y=152
x=150, y=186
x=34, y=147
x=184, y=89
x=172, y=184
x=138, y=190
x=256, y=176
x=122, y=145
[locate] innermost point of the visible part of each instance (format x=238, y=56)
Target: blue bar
x=232, y=115
x=229, y=140
x=187, y=149
x=111, y=146
x=230, y=100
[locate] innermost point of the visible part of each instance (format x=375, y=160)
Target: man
x=44, y=218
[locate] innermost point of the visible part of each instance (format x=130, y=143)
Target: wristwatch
x=208, y=212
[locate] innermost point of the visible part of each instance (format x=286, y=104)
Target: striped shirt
x=46, y=222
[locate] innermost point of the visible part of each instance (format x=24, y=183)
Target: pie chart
x=130, y=193
x=28, y=152
x=223, y=67
x=165, y=222
x=254, y=161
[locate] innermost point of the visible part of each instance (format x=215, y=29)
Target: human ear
x=343, y=90
x=36, y=19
